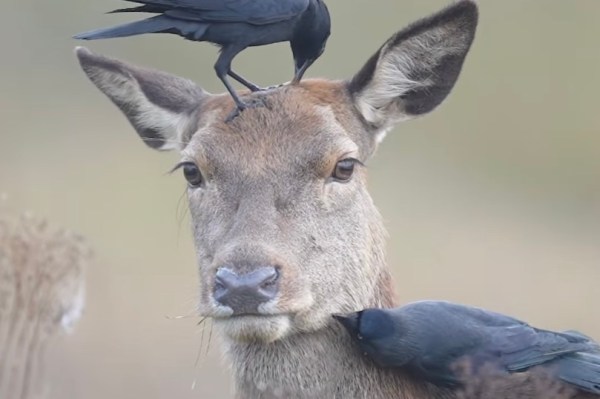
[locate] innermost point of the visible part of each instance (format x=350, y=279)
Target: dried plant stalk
x=41, y=293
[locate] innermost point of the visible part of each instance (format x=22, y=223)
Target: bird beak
x=299, y=73
x=349, y=321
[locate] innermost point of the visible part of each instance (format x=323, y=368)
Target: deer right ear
x=413, y=72
x=157, y=104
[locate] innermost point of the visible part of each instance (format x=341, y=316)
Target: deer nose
x=244, y=293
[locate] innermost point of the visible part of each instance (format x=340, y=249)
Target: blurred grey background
x=492, y=200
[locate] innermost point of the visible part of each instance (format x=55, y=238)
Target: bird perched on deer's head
x=234, y=25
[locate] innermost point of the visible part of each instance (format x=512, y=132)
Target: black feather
x=150, y=8
x=430, y=338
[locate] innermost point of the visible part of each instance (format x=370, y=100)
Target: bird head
x=350, y=321
x=303, y=61
x=310, y=38
x=380, y=335
x=368, y=324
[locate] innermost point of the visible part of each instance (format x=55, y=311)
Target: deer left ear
x=157, y=104
x=413, y=72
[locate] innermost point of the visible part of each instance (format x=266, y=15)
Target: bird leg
x=223, y=68
x=253, y=103
x=251, y=86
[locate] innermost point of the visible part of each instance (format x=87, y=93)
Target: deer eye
x=192, y=174
x=344, y=169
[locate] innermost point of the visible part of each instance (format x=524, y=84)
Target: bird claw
x=242, y=106
x=254, y=88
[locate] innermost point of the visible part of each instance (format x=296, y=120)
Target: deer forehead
x=300, y=128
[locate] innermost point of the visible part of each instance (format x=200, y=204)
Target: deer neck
x=321, y=364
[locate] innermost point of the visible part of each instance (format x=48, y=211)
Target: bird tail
x=581, y=369
x=581, y=336
x=151, y=8
x=159, y=23
x=156, y=6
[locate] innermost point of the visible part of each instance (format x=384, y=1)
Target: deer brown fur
x=268, y=198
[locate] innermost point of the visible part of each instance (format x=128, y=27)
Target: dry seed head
x=41, y=293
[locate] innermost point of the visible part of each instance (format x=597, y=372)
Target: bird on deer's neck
x=433, y=339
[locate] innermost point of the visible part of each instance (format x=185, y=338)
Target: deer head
x=285, y=230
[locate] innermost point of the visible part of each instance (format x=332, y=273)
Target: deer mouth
x=255, y=327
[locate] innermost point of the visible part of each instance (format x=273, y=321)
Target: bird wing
x=256, y=12
x=521, y=346
x=515, y=343
x=458, y=316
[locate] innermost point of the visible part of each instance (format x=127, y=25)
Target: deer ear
x=158, y=105
x=413, y=72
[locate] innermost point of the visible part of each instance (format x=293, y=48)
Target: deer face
x=281, y=214
x=285, y=230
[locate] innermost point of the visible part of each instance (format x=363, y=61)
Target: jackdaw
x=430, y=338
x=234, y=25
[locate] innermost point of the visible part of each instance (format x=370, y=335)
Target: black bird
x=234, y=25
x=428, y=338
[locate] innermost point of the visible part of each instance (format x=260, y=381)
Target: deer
x=285, y=231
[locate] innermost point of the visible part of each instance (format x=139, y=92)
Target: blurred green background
x=493, y=200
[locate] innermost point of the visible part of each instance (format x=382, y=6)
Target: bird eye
x=344, y=169
x=192, y=174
